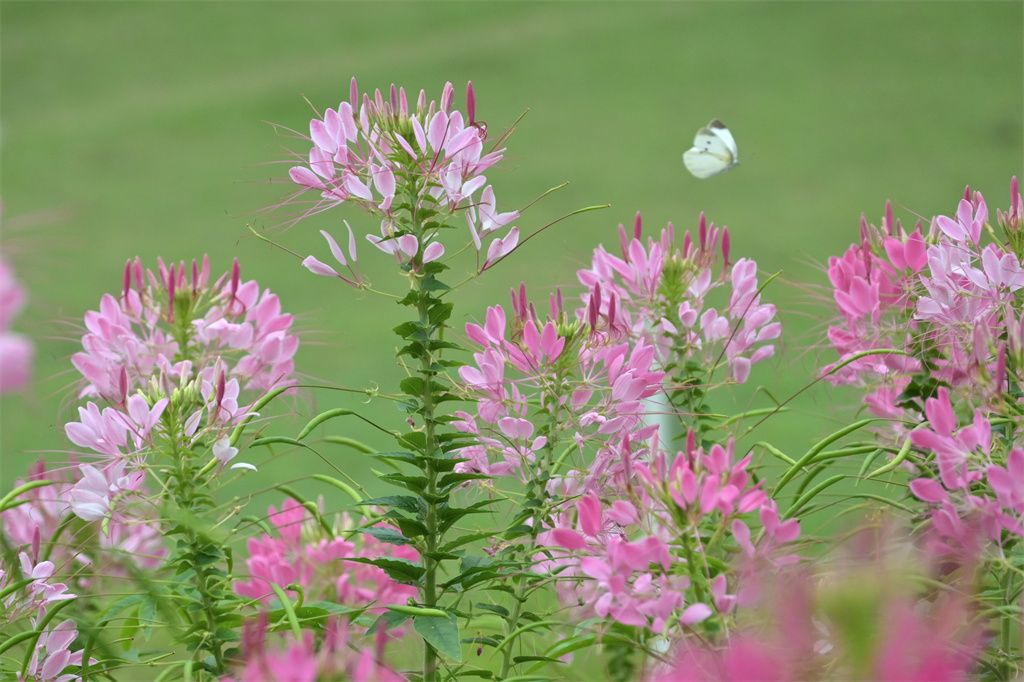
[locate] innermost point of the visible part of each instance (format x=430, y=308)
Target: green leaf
x=388, y=535
x=405, y=502
x=494, y=608
x=442, y=634
x=416, y=484
x=387, y=621
x=412, y=386
x=454, y=479
x=403, y=571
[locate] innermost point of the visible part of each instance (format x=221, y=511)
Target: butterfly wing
x=703, y=164
x=719, y=130
x=713, y=151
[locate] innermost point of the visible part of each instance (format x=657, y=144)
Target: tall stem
x=430, y=445
x=431, y=331
x=202, y=556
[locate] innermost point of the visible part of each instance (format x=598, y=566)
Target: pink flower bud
x=353, y=92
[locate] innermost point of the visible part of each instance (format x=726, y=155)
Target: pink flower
x=15, y=350
x=52, y=654
x=968, y=224
x=301, y=554
x=371, y=150
x=94, y=497
x=633, y=292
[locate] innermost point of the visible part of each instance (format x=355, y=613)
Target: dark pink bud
x=561, y=301
x=446, y=97
x=403, y=103
x=170, y=295
x=367, y=104
x=470, y=103
x=668, y=235
x=162, y=269
x=122, y=384
x=195, y=278
x=181, y=275
x=611, y=312
x=35, y=545
x=394, y=97
x=236, y=275
x=353, y=93
x=624, y=242
x=863, y=229
x=127, y=282
x=702, y=232
x=522, y=297
x=887, y=221
x=725, y=245
x=1016, y=202
x=967, y=192
x=687, y=244
x=140, y=282
x=421, y=101
x=221, y=387
x=638, y=225
x=204, y=274
x=378, y=99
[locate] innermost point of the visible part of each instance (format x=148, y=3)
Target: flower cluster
x=43, y=510
x=35, y=595
x=660, y=291
x=621, y=558
x=979, y=490
x=943, y=296
x=388, y=157
x=303, y=554
x=611, y=564
x=536, y=373
x=172, y=357
x=15, y=349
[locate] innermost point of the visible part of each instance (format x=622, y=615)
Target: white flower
x=223, y=451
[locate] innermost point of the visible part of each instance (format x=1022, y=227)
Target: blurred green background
x=142, y=128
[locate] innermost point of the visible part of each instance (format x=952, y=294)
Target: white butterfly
x=714, y=151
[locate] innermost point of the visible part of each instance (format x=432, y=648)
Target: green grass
x=140, y=129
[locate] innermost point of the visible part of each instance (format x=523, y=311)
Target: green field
x=142, y=129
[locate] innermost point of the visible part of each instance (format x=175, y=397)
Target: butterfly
x=714, y=151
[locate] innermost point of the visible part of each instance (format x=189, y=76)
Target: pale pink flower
x=370, y=150
x=53, y=655
x=15, y=350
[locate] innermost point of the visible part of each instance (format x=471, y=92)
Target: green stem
x=196, y=551
x=424, y=299
x=429, y=563
x=541, y=483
